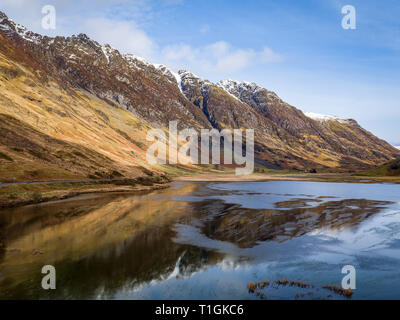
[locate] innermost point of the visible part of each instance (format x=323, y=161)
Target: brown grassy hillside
x=71, y=107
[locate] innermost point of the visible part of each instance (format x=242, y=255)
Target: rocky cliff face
x=315, y=132
x=79, y=91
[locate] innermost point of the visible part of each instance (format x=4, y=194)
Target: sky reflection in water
x=202, y=240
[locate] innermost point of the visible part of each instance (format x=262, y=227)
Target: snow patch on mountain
x=142, y=64
x=189, y=75
x=228, y=87
x=134, y=61
x=178, y=80
x=4, y=27
x=27, y=35
x=7, y=25
x=189, y=79
x=171, y=75
x=105, y=54
x=237, y=88
x=108, y=52
x=139, y=62
x=140, y=59
x=3, y=19
x=323, y=117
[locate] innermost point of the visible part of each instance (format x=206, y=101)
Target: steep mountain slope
x=273, y=147
x=325, y=135
x=93, y=101
x=80, y=62
x=51, y=130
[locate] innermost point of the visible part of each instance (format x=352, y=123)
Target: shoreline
x=338, y=178
x=71, y=189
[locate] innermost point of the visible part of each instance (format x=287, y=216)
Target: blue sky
x=296, y=48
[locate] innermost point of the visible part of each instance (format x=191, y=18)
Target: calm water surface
x=206, y=241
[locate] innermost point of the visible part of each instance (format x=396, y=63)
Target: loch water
x=207, y=241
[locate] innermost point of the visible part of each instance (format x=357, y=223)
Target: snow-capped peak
x=132, y=57
x=137, y=62
x=188, y=74
x=7, y=25
x=228, y=84
x=171, y=75
x=190, y=78
x=323, y=117
x=141, y=63
x=230, y=87
x=236, y=88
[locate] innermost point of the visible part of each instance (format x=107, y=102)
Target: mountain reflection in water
x=204, y=240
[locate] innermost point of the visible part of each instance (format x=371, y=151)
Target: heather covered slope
x=76, y=96
x=48, y=132
x=390, y=169
x=122, y=80
x=27, y=154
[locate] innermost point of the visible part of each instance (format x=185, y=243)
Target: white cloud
x=235, y=60
x=219, y=57
x=178, y=52
x=122, y=35
x=218, y=49
x=270, y=56
x=214, y=60
x=15, y=3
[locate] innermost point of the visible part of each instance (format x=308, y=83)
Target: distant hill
x=390, y=169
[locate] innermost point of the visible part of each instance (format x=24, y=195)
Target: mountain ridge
x=128, y=89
